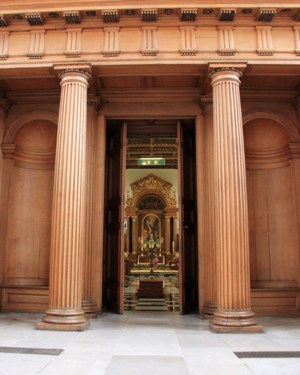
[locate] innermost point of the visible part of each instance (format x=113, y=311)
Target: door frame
x=197, y=200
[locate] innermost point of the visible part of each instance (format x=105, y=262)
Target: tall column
x=68, y=216
x=210, y=255
x=167, y=239
x=134, y=234
x=234, y=312
x=89, y=304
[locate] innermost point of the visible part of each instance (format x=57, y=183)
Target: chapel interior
x=151, y=213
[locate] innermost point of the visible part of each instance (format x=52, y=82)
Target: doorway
x=150, y=257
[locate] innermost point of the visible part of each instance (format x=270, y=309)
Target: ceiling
x=109, y=81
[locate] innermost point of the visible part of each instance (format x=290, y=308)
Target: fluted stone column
x=234, y=312
x=68, y=216
x=210, y=255
x=89, y=304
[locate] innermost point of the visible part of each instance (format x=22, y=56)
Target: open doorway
x=150, y=258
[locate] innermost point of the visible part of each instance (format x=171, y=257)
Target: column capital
x=83, y=70
x=5, y=104
x=94, y=102
x=226, y=71
x=206, y=104
x=296, y=103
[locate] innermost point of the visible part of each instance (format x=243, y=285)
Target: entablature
x=38, y=13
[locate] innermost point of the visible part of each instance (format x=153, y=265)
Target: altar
x=145, y=259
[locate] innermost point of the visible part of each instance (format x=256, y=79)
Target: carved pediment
x=151, y=184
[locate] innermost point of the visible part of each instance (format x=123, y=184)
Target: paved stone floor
x=146, y=343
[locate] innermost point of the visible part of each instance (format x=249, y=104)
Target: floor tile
x=148, y=365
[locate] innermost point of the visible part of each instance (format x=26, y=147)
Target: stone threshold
x=268, y=354
x=41, y=351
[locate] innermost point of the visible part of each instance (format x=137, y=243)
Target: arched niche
x=274, y=248
x=30, y=172
x=266, y=144
x=277, y=117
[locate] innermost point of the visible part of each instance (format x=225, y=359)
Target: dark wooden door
x=187, y=218
x=116, y=163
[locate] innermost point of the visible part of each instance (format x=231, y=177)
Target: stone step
x=151, y=308
x=151, y=300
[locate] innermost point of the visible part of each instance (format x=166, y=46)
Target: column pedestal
x=234, y=312
x=68, y=216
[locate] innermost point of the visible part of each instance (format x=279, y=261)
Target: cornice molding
x=76, y=12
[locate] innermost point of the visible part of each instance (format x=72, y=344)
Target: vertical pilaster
x=89, y=305
x=4, y=183
x=4, y=44
x=200, y=184
x=100, y=152
x=298, y=109
x=234, y=312
x=3, y=107
x=295, y=173
x=7, y=152
x=210, y=255
x=68, y=217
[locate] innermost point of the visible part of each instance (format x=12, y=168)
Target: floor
x=144, y=343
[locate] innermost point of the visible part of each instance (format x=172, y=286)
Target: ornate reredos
x=151, y=184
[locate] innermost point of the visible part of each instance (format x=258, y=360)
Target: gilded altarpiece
x=151, y=214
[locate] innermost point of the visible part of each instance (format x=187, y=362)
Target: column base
x=90, y=308
x=62, y=327
x=209, y=309
x=64, y=320
x=234, y=321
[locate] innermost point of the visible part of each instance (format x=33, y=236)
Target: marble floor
x=144, y=343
